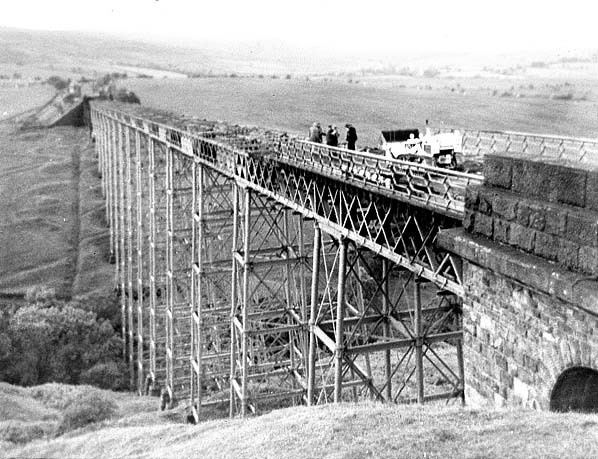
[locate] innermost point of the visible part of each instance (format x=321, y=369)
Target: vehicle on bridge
x=439, y=150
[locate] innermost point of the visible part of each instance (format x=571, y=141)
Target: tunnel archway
x=576, y=389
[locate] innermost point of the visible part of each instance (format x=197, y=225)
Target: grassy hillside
x=14, y=101
x=38, y=412
x=42, y=53
x=345, y=431
x=53, y=233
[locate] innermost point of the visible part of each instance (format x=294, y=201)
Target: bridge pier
x=211, y=285
x=267, y=315
x=157, y=266
x=530, y=250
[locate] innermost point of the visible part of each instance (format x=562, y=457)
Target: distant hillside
x=66, y=50
x=42, y=53
x=63, y=51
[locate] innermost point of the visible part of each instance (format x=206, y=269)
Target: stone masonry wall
x=549, y=210
x=518, y=340
x=530, y=250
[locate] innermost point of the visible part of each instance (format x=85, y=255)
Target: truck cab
x=437, y=150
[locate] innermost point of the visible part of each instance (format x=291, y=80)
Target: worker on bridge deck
x=332, y=136
x=315, y=133
x=351, y=136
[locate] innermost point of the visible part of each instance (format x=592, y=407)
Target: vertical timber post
x=100, y=119
x=419, y=359
x=233, y=332
x=315, y=276
x=140, y=228
x=196, y=290
x=340, y=321
x=114, y=207
x=287, y=287
x=245, y=295
x=460, y=364
x=386, y=330
x=152, y=257
x=108, y=166
x=303, y=298
x=121, y=246
x=169, y=274
x=129, y=259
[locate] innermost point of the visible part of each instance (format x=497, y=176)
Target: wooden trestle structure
x=261, y=270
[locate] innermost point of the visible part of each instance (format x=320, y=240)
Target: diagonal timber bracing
x=260, y=270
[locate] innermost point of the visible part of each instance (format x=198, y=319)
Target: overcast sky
x=363, y=26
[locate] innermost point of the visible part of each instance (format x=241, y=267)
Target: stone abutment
x=529, y=245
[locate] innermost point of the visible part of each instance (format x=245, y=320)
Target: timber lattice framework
x=261, y=270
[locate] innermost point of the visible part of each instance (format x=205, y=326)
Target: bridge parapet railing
x=429, y=186
x=576, y=149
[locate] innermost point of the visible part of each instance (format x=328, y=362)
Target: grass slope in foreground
x=342, y=431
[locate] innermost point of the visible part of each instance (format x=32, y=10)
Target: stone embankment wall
x=530, y=248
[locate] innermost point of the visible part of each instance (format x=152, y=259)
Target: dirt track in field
x=52, y=231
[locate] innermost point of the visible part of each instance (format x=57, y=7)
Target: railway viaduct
x=260, y=270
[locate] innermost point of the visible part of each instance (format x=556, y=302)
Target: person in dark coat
x=351, y=136
x=315, y=133
x=332, y=136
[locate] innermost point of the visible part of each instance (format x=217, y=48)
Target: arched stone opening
x=576, y=389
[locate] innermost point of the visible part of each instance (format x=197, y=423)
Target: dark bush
x=105, y=308
x=23, y=432
x=58, y=82
x=110, y=375
x=567, y=96
x=55, y=343
x=431, y=73
x=87, y=409
x=122, y=95
x=104, y=80
x=40, y=294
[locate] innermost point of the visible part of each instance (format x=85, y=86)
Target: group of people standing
x=316, y=134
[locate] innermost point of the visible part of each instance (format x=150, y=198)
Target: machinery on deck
x=437, y=150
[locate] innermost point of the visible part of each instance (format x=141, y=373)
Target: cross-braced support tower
x=212, y=237
x=179, y=215
x=268, y=307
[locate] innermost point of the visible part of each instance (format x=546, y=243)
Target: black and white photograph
x=304, y=229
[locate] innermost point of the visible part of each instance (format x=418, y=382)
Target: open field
x=371, y=105
x=53, y=232
x=14, y=101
